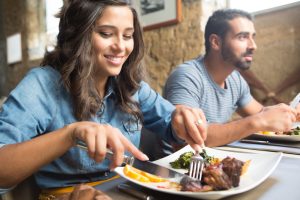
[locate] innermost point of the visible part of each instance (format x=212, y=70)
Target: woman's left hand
x=190, y=125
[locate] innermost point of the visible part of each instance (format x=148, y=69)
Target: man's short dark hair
x=218, y=23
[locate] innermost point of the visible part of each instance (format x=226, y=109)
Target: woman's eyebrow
x=112, y=27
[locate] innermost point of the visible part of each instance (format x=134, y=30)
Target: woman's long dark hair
x=73, y=57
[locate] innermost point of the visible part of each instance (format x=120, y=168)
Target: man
x=213, y=83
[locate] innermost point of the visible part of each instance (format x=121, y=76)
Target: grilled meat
x=189, y=184
x=214, y=176
x=233, y=168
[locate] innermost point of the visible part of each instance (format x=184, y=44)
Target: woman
x=88, y=89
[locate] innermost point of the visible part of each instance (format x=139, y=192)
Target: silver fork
x=196, y=166
x=109, y=154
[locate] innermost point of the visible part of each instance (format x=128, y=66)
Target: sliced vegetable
x=140, y=175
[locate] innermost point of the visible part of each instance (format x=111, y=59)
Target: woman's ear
x=215, y=42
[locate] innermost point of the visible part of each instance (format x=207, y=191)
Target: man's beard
x=229, y=56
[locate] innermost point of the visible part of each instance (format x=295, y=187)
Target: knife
x=134, y=192
x=146, y=166
x=265, y=142
x=295, y=101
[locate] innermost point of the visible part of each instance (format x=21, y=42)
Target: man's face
x=238, y=45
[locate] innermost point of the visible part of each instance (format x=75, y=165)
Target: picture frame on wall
x=157, y=13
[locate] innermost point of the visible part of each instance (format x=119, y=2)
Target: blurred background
x=28, y=28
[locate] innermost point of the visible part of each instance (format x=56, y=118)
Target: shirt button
x=106, y=173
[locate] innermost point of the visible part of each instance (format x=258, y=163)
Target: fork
x=109, y=154
x=196, y=165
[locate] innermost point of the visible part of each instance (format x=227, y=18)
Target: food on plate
x=184, y=160
x=152, y=179
x=134, y=174
x=218, y=174
x=293, y=131
x=192, y=185
x=267, y=132
x=245, y=167
x=140, y=175
x=233, y=168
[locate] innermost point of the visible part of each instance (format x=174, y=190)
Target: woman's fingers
x=190, y=125
x=99, y=137
x=201, y=123
x=116, y=146
x=118, y=143
x=132, y=149
x=100, y=147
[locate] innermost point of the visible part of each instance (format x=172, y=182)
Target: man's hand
x=298, y=112
x=277, y=118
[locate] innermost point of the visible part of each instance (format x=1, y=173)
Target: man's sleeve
x=184, y=86
x=246, y=96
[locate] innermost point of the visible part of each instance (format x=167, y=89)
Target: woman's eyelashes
x=128, y=36
x=105, y=34
x=108, y=35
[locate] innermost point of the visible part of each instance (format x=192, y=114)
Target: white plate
x=280, y=138
x=260, y=168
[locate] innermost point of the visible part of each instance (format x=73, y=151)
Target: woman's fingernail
x=145, y=157
x=197, y=148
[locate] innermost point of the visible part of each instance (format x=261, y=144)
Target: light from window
x=52, y=8
x=258, y=5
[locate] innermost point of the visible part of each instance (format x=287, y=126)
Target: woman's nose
x=119, y=44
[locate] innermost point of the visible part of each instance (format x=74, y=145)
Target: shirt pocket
x=132, y=126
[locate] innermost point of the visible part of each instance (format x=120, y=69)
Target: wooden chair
x=27, y=190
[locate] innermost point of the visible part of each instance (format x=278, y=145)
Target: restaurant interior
x=26, y=33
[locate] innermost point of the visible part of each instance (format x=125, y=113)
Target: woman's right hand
x=99, y=137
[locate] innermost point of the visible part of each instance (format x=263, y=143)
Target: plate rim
x=292, y=138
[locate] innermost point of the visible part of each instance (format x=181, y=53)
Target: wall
x=26, y=17
x=2, y=52
x=277, y=56
x=169, y=46
x=166, y=46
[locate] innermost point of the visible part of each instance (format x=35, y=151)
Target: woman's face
x=113, y=40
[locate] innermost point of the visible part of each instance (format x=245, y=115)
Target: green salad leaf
x=183, y=162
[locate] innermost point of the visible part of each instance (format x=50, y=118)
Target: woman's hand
x=99, y=137
x=190, y=125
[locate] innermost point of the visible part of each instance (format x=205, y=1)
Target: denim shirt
x=40, y=104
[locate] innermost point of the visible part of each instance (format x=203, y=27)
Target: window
x=258, y=5
x=52, y=8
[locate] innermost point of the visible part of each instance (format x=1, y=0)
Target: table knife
x=146, y=166
x=295, y=101
x=134, y=192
